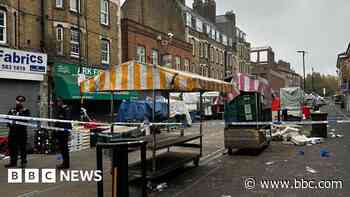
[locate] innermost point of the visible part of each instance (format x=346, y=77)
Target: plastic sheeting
x=292, y=99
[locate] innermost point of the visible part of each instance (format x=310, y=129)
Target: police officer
x=63, y=112
x=17, y=139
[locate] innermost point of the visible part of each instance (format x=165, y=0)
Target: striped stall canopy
x=133, y=76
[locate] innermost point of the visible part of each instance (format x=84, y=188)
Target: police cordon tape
x=37, y=126
x=18, y=120
x=285, y=123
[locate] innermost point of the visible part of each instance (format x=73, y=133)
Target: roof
x=132, y=76
x=222, y=19
x=261, y=48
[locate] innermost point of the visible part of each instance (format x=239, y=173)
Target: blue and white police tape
x=35, y=119
x=32, y=125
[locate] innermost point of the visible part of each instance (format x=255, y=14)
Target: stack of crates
x=79, y=141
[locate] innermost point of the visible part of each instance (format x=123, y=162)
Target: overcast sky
x=320, y=27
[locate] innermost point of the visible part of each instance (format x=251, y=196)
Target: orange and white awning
x=133, y=76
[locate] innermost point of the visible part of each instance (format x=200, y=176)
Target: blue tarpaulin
x=139, y=111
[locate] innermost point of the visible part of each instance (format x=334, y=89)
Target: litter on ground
x=311, y=170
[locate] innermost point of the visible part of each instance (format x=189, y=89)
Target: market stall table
x=133, y=76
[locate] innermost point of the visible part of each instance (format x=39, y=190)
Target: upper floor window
x=75, y=42
x=187, y=64
x=177, y=63
x=141, y=54
x=3, y=27
x=155, y=57
x=105, y=51
x=59, y=39
x=188, y=19
x=193, y=47
x=104, y=12
x=59, y=3
x=74, y=5
x=206, y=50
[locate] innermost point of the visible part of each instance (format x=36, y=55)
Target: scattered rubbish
x=333, y=130
x=332, y=135
x=301, y=152
x=339, y=136
x=161, y=187
x=299, y=140
x=269, y=163
x=2, y=156
x=273, y=162
x=316, y=140
x=311, y=170
x=287, y=142
x=225, y=196
x=324, y=153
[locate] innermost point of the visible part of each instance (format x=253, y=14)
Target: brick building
x=210, y=56
x=241, y=48
x=279, y=74
x=147, y=45
x=75, y=34
x=343, y=70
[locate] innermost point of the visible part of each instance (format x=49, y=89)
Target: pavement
x=219, y=174
x=242, y=173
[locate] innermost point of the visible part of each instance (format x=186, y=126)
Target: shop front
x=66, y=78
x=21, y=73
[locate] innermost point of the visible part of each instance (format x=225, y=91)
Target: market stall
x=253, y=105
x=133, y=76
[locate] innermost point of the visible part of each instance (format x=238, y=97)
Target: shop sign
x=12, y=60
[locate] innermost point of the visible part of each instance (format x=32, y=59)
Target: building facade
x=241, y=48
x=279, y=74
x=72, y=33
x=343, y=70
x=212, y=50
x=147, y=45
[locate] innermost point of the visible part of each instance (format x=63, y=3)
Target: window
x=3, y=28
x=155, y=56
x=193, y=47
x=209, y=30
x=141, y=54
x=74, y=5
x=212, y=54
x=187, y=65
x=104, y=12
x=188, y=19
x=59, y=3
x=200, y=49
x=206, y=50
x=213, y=31
x=167, y=61
x=59, y=39
x=74, y=42
x=199, y=25
x=177, y=63
x=105, y=51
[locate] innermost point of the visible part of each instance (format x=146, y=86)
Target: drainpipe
x=19, y=22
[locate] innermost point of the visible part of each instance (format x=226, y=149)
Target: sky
x=316, y=26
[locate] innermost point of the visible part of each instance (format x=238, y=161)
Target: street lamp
x=303, y=53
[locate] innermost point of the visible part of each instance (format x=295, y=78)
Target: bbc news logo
x=52, y=176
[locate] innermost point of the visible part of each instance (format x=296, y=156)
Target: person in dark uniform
x=17, y=138
x=63, y=112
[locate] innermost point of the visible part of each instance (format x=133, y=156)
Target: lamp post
x=303, y=53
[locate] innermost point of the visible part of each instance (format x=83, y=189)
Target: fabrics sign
x=12, y=60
